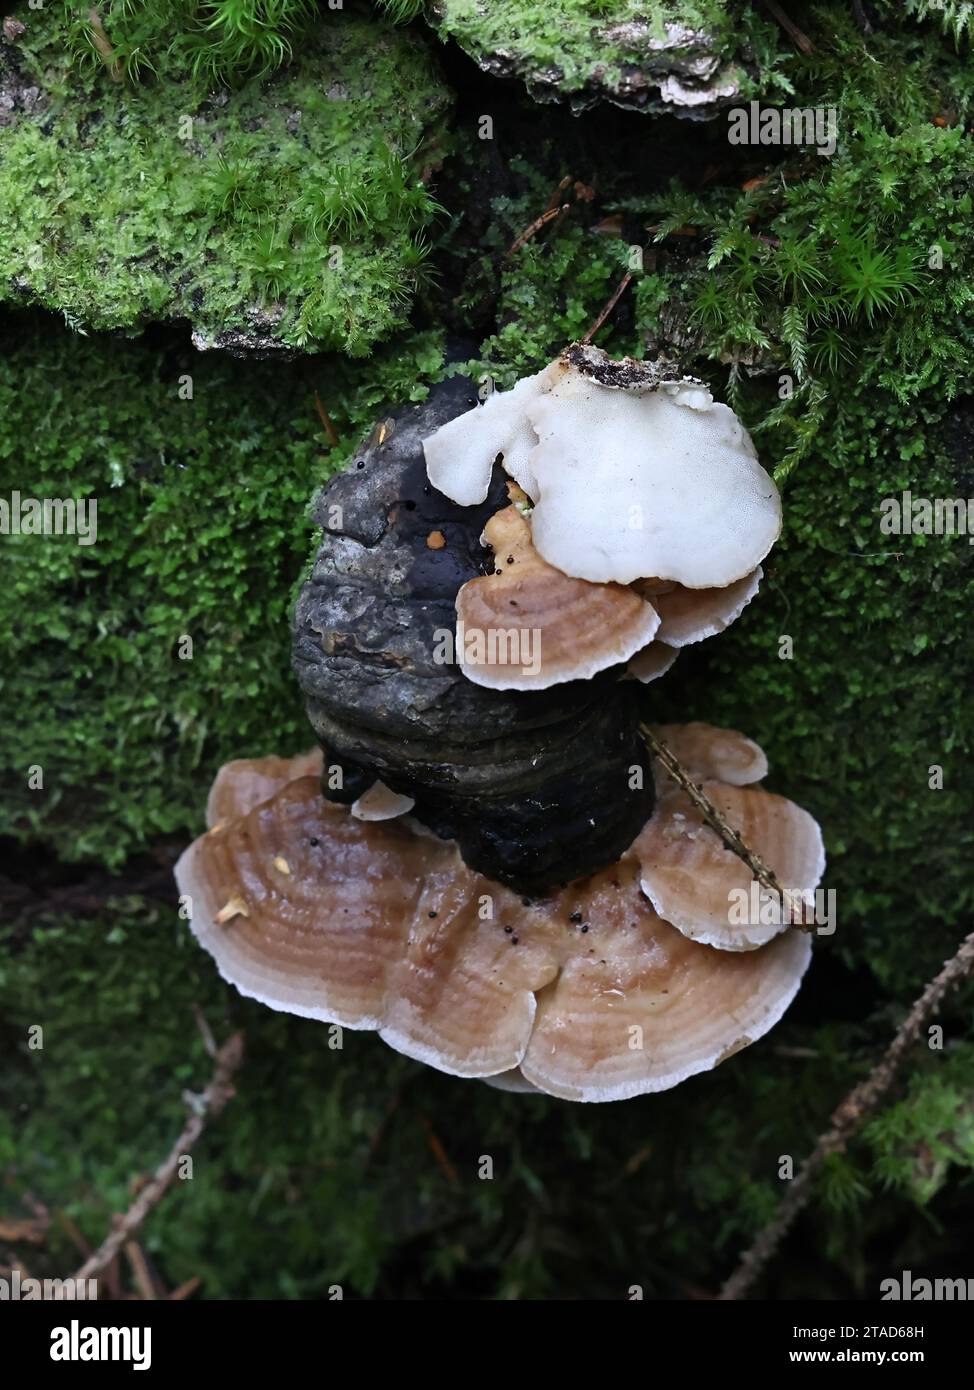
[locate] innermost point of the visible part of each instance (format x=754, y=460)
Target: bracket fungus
x=634, y=470
x=381, y=803
x=691, y=877
x=486, y=866
x=569, y=628
x=630, y=477
x=246, y=782
x=691, y=615
x=585, y=994
x=652, y=662
x=375, y=633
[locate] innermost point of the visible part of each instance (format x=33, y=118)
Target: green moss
x=956, y=17
x=875, y=695
x=224, y=39
x=920, y=1141
x=201, y=532
x=320, y=1171
x=583, y=49
x=288, y=212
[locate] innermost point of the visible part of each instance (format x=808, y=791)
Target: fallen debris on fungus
x=692, y=878
x=634, y=470
x=381, y=803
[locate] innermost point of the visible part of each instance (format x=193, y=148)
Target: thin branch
x=800, y=39
x=206, y=1032
x=141, y=1270
x=729, y=836
x=211, y=1102
x=103, y=45
x=555, y=200
x=620, y=290
x=28, y=1228
x=184, y=1290
x=846, y=1120
x=326, y=420
x=534, y=228
x=70, y=1229
x=439, y=1153
x=862, y=19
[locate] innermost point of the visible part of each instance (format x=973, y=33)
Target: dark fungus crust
x=535, y=786
x=624, y=374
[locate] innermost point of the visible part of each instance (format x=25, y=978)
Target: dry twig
x=555, y=200
x=183, y=1292
x=439, y=1153
x=103, y=45
x=326, y=420
x=847, y=1118
x=619, y=291
x=534, y=228
x=800, y=39
x=211, y=1102
x=141, y=1271
x=729, y=836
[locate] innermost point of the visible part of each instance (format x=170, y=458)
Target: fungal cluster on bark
x=535, y=786
x=481, y=861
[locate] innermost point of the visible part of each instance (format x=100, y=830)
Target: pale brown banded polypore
x=691, y=615
x=691, y=877
x=586, y=993
x=578, y=628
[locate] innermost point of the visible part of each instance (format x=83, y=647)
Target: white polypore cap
x=631, y=484
x=460, y=454
x=380, y=802
x=641, y=477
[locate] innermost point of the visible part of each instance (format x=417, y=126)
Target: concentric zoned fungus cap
x=538, y=627
x=688, y=874
x=246, y=782
x=638, y=1007
x=381, y=803
x=706, y=751
x=587, y=995
x=636, y=472
x=369, y=925
x=690, y=615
